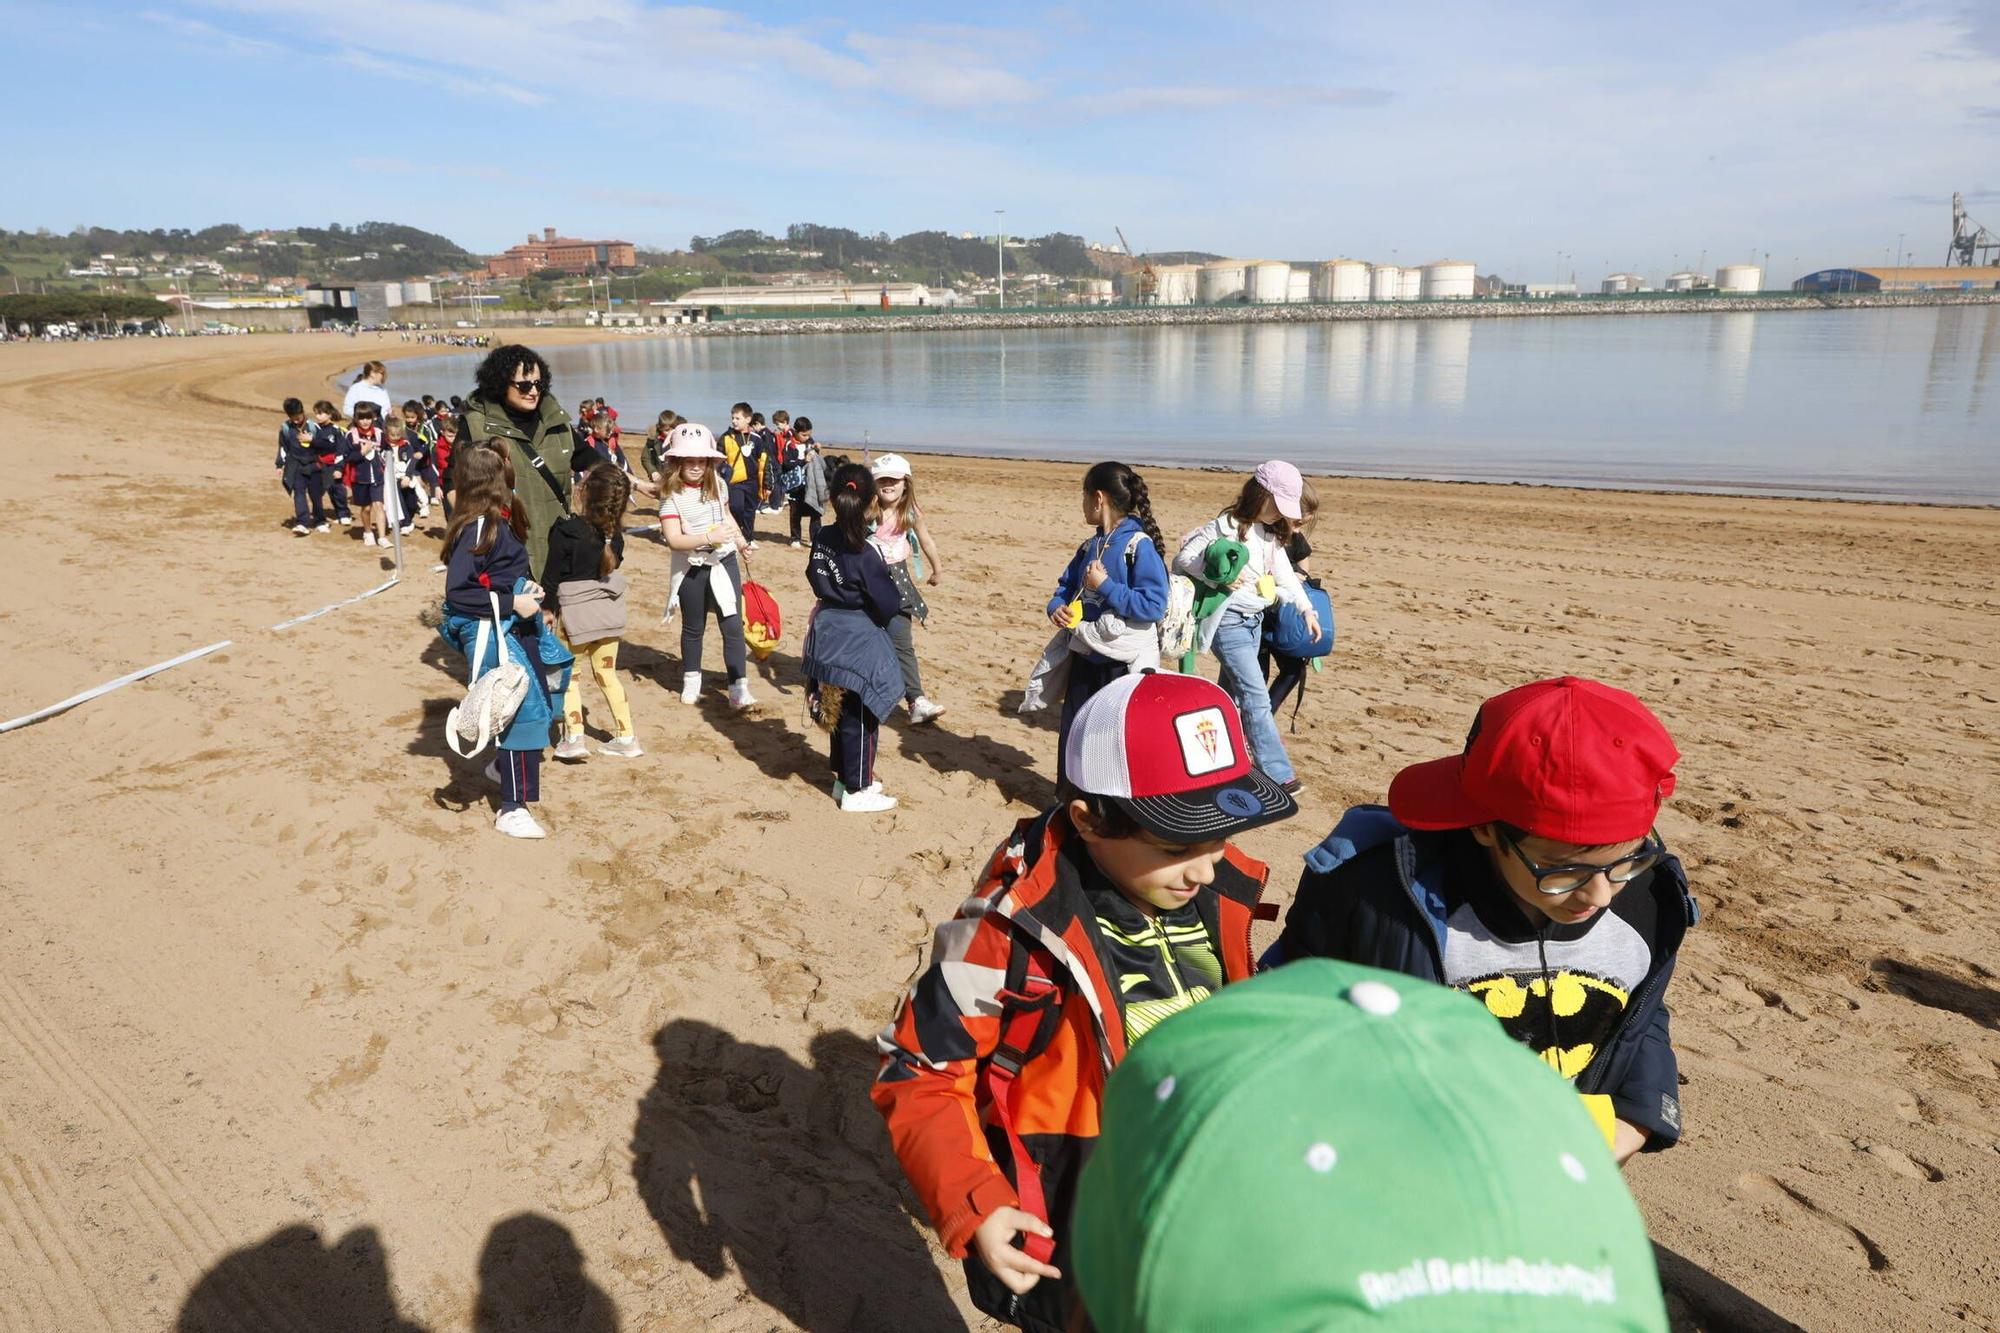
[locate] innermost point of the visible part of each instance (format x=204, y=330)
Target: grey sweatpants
x=903, y=636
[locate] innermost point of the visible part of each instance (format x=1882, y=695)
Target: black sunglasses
x=525, y=386
x=1573, y=876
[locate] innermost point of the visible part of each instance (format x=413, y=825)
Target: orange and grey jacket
x=929, y=1090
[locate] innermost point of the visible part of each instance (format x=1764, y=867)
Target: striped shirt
x=698, y=514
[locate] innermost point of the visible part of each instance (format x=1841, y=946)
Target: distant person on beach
x=441, y=454
x=706, y=568
x=1093, y=923
x=805, y=480
x=513, y=402
x=1334, y=1147
x=367, y=388
x=1291, y=671
x=367, y=463
x=743, y=464
x=902, y=538
x=852, y=678
x=329, y=444
x=405, y=460
x=1108, y=602
x=299, y=467
x=487, y=576
x=1248, y=574
x=767, y=446
x=652, y=456
x=585, y=551
x=1526, y=871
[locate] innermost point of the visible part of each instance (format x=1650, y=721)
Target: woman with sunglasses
x=1526, y=872
x=513, y=401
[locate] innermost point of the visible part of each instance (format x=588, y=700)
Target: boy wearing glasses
x=1526, y=872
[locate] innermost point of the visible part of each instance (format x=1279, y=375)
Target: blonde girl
x=584, y=550
x=707, y=545
x=899, y=529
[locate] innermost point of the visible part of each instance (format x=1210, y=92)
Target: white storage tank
x=1349, y=281
x=1619, y=283
x=1384, y=281
x=1739, y=278
x=1095, y=291
x=1175, y=284
x=1222, y=280
x=1410, y=284
x=1299, y=286
x=1265, y=281
x=1685, y=282
x=1448, y=280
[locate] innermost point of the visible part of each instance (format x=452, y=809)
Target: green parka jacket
x=553, y=441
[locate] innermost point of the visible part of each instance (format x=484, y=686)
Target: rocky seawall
x=1312, y=314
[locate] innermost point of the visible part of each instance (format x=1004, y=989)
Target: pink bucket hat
x=691, y=439
x=1282, y=480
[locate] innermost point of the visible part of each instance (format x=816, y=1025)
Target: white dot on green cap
x=1165, y=1088
x=1374, y=997
x=1574, y=1169
x=1321, y=1157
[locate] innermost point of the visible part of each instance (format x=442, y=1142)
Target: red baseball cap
x=1569, y=759
x=1169, y=750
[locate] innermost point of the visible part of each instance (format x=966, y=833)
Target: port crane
x=1971, y=244
x=1148, y=280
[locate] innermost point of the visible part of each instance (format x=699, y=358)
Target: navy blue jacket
x=1389, y=911
x=1135, y=589
x=503, y=567
x=852, y=580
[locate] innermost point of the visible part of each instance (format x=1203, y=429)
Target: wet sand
x=290, y=1031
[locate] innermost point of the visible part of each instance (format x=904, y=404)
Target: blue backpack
x=1285, y=628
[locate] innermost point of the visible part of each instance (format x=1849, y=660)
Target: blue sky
x=1623, y=136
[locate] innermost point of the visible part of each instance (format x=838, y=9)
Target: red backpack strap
x=1030, y=1009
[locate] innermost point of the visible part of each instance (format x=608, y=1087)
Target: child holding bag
x=587, y=594
x=850, y=662
x=705, y=540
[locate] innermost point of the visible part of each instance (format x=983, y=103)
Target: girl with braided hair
x=585, y=548
x=1113, y=593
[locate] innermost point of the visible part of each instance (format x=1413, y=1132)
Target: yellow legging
x=603, y=659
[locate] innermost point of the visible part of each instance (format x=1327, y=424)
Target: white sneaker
x=438, y=569
x=840, y=788
x=923, y=710
x=301, y=529
x=872, y=801
x=739, y=695
x=625, y=747
x=690, y=686
x=571, y=747
x=347, y=522
x=518, y=823
x=409, y=528
x=796, y=545
x=320, y=528
x=368, y=539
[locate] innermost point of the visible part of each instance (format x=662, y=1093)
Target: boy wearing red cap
x=1095, y=922
x=1526, y=872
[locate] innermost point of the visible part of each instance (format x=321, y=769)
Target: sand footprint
x=1900, y=1162
x=1797, y=1213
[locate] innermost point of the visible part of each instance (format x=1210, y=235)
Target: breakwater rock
x=1507, y=308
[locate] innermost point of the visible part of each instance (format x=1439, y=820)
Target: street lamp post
x=1000, y=256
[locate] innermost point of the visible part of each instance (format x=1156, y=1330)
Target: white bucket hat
x=691, y=439
x=892, y=466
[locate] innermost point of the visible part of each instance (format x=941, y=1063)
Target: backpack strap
x=1030, y=1010
x=562, y=496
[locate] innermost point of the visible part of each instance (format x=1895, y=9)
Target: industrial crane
x=1971, y=244
x=1148, y=280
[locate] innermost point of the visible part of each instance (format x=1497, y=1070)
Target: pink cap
x=1282, y=480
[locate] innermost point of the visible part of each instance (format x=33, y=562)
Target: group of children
x=367, y=470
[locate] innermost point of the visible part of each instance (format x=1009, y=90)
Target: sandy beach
x=294, y=1040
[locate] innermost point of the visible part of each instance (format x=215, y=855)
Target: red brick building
x=565, y=254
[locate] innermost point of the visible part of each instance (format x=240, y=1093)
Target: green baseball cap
x=1331, y=1146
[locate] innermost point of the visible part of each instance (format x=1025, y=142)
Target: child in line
x=447, y=440
x=329, y=445
x=1113, y=593
x=653, y=455
x=804, y=481
x=1094, y=922
x=421, y=432
x=743, y=458
x=299, y=466
x=1527, y=872
x=898, y=519
x=1252, y=533
x=406, y=462
x=486, y=563
x=705, y=541
x=772, y=441
x=368, y=468
x=1291, y=671
x=585, y=548
x=849, y=660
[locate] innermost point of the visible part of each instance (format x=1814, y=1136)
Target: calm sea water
x=1900, y=404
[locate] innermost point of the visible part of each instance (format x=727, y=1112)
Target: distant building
x=1619, y=283
x=1887, y=279
x=822, y=295
x=1548, y=289
x=564, y=254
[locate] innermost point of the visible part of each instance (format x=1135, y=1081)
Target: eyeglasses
x=1574, y=875
x=525, y=387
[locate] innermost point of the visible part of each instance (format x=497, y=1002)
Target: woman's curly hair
x=502, y=364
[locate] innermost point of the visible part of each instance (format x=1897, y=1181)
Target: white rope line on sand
x=314, y=615
x=110, y=685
